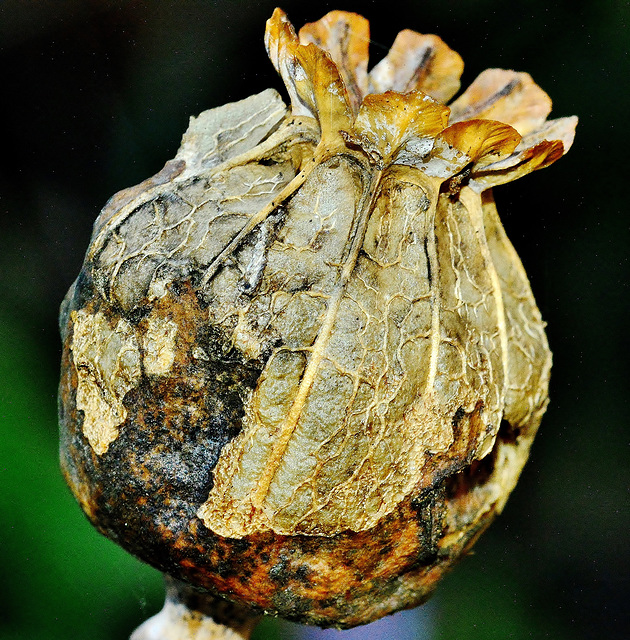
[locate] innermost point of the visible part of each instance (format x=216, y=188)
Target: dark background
x=95, y=97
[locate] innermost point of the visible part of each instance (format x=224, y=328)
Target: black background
x=95, y=97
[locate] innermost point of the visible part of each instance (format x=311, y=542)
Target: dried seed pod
x=302, y=365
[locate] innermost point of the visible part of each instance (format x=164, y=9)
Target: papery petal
x=562, y=129
x=346, y=38
x=473, y=141
x=311, y=77
x=537, y=150
x=538, y=157
x=281, y=43
x=508, y=96
x=389, y=120
x=481, y=139
x=323, y=83
x=418, y=61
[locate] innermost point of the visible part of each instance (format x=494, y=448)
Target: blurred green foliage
x=60, y=578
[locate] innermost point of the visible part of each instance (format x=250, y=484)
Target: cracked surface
x=107, y=360
x=367, y=379
x=303, y=366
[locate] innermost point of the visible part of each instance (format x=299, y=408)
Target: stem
x=190, y=614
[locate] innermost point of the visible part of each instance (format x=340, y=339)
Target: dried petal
x=464, y=143
x=508, y=96
x=346, y=38
x=517, y=165
x=281, y=43
x=480, y=139
x=537, y=150
x=562, y=129
x=418, y=62
x=389, y=120
x=311, y=77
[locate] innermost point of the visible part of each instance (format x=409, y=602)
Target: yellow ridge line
x=434, y=268
x=256, y=219
x=293, y=416
x=472, y=202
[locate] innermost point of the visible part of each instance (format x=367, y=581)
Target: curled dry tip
x=325, y=70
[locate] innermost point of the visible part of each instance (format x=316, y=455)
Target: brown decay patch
x=206, y=612
x=175, y=425
x=144, y=492
x=341, y=581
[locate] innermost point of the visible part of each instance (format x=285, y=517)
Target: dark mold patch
x=158, y=470
x=293, y=605
x=145, y=490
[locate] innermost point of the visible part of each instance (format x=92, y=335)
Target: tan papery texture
x=307, y=346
